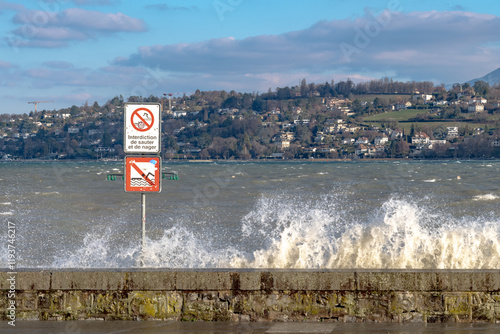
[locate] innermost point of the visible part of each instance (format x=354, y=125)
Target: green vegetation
x=400, y=115
x=330, y=120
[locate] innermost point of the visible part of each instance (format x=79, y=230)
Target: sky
x=74, y=52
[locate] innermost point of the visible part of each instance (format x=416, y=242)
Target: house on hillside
x=179, y=113
x=381, y=140
x=402, y=105
x=424, y=97
x=452, y=132
x=361, y=150
x=320, y=136
x=282, y=144
x=476, y=107
x=480, y=100
x=420, y=138
x=478, y=131
x=436, y=142
x=396, y=134
x=362, y=141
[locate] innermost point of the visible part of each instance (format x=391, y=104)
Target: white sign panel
x=142, y=128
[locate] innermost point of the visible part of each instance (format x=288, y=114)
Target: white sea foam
x=97, y=251
x=401, y=236
x=323, y=234
x=46, y=193
x=485, y=197
x=430, y=181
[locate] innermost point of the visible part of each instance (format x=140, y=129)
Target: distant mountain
x=492, y=78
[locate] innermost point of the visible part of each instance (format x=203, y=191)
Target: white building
x=425, y=97
x=362, y=140
x=452, y=131
x=381, y=140
x=480, y=100
x=476, y=107
x=282, y=144
x=420, y=138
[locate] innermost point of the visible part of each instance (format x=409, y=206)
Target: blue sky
x=77, y=51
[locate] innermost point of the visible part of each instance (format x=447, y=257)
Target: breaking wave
x=486, y=197
x=326, y=233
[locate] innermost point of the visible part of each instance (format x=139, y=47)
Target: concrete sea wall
x=253, y=295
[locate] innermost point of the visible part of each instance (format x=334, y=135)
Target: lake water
x=380, y=214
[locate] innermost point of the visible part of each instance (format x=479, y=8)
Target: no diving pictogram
x=142, y=174
x=142, y=119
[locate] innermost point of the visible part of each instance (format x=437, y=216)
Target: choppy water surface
x=395, y=214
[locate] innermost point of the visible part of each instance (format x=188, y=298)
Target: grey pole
x=143, y=213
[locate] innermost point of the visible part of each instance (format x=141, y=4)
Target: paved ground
x=153, y=327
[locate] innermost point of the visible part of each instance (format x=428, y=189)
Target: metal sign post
x=164, y=175
x=142, y=135
x=143, y=213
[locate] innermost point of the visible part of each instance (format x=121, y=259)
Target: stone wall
x=255, y=295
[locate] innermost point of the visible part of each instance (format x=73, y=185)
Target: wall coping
x=269, y=280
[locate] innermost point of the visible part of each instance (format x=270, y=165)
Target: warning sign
x=142, y=128
x=143, y=174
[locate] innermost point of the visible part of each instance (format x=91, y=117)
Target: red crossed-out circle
x=142, y=125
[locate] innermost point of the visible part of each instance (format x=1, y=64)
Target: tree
x=356, y=106
x=107, y=140
x=481, y=88
x=440, y=132
x=304, y=89
x=258, y=105
x=230, y=102
x=204, y=154
x=244, y=153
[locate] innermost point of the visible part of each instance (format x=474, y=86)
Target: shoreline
x=259, y=160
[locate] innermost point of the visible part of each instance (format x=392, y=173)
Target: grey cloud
x=46, y=29
x=6, y=65
x=417, y=45
x=4, y=5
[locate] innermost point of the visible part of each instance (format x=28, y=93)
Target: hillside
x=491, y=78
x=377, y=119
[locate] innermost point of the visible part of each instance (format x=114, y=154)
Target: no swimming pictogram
x=142, y=119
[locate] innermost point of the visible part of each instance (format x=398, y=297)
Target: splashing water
x=269, y=215
x=316, y=234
